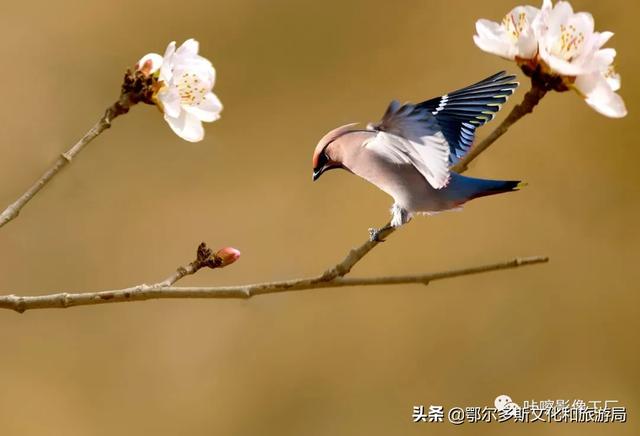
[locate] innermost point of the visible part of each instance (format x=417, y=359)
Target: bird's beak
x=317, y=172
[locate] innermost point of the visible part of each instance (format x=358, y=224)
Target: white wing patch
x=429, y=154
x=443, y=102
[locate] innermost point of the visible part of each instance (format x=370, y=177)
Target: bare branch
x=332, y=277
x=205, y=258
x=163, y=290
x=136, y=87
x=356, y=254
x=118, y=108
x=531, y=99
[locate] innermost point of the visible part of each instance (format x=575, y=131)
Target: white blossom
x=556, y=42
x=185, y=94
x=512, y=38
x=568, y=43
x=569, y=46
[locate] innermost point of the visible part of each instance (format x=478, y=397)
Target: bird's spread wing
x=408, y=134
x=461, y=112
x=436, y=133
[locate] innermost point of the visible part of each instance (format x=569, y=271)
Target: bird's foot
x=399, y=215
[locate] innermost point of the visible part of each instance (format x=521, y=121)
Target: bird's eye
x=323, y=160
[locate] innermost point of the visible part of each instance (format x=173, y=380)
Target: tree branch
x=118, y=108
x=332, y=277
x=343, y=268
x=164, y=290
x=531, y=99
x=136, y=87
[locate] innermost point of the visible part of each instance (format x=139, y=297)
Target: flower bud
x=149, y=64
x=227, y=256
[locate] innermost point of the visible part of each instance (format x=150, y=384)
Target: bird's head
x=322, y=156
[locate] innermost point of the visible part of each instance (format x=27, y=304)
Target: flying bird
x=408, y=154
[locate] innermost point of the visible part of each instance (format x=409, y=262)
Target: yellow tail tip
x=521, y=185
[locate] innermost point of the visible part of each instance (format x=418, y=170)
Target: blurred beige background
x=349, y=361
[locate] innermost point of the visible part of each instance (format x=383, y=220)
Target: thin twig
x=531, y=99
x=343, y=268
x=163, y=290
x=137, y=86
x=118, y=108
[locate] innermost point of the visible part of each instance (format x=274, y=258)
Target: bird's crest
x=330, y=137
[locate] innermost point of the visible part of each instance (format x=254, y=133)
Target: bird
x=409, y=153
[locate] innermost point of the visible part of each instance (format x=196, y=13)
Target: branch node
x=20, y=304
x=65, y=300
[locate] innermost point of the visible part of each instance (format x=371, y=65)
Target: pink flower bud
x=228, y=255
x=149, y=64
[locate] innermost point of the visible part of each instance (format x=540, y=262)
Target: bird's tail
x=498, y=187
x=468, y=188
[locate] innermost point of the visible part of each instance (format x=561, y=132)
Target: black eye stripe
x=323, y=159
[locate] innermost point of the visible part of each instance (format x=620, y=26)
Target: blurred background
x=138, y=200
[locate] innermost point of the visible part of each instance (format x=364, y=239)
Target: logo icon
x=505, y=404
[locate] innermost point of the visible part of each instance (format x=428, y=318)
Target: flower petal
x=613, y=79
x=193, y=130
x=186, y=126
x=170, y=100
x=489, y=29
x=563, y=67
x=600, y=96
x=201, y=68
x=208, y=110
x=170, y=50
x=601, y=38
x=166, y=71
x=531, y=12
x=491, y=38
x=496, y=47
x=583, y=22
x=559, y=15
x=603, y=58
x=540, y=23
x=188, y=48
x=611, y=105
x=527, y=45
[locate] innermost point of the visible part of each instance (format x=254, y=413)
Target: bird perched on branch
x=408, y=154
